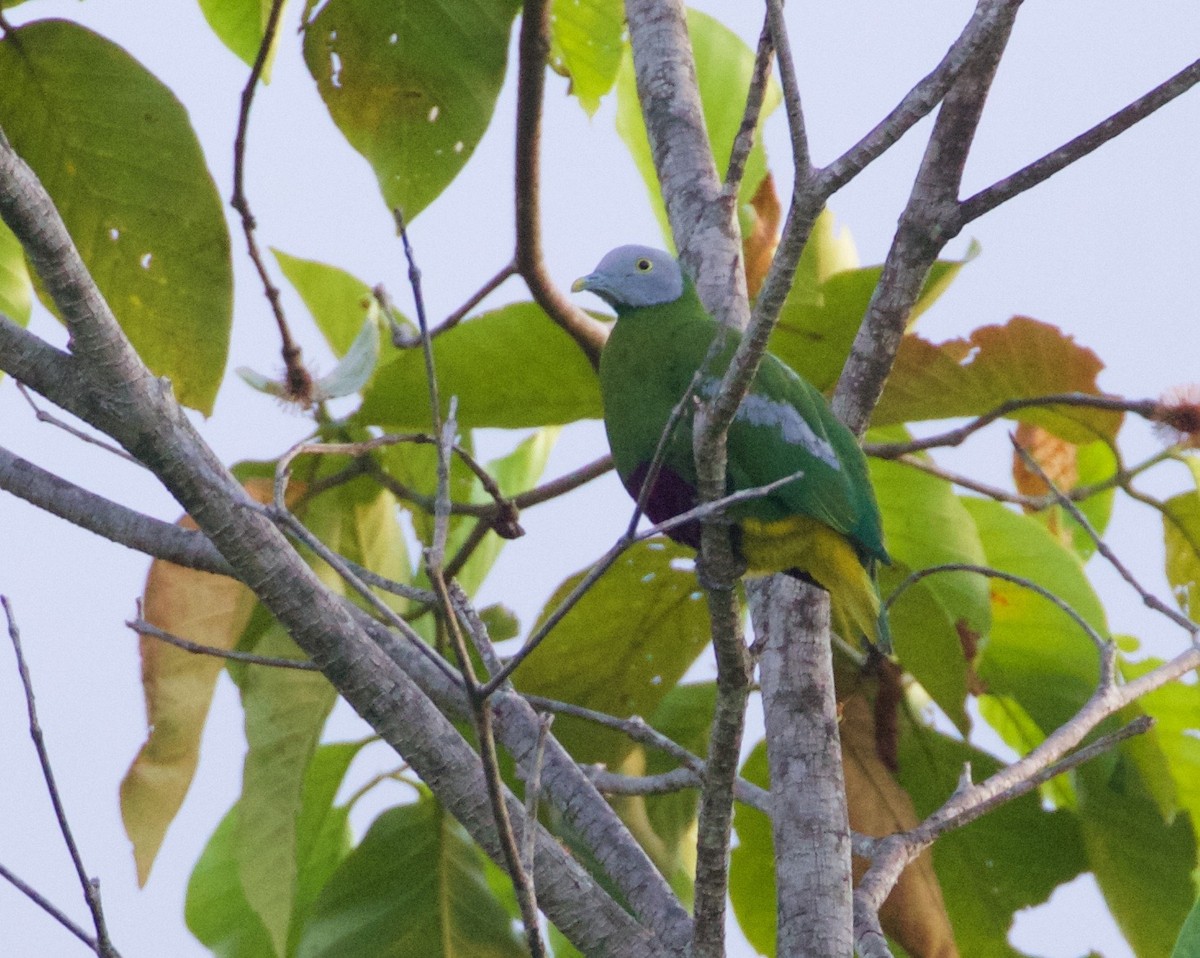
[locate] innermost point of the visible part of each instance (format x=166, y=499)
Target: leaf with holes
x=412, y=86
x=116, y=152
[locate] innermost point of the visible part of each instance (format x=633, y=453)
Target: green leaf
x=1188, y=943
x=414, y=886
x=1011, y=858
x=752, y=862
x=1181, y=536
x=16, y=291
x=938, y=622
x=623, y=646
x=510, y=368
x=241, y=25
x=826, y=305
x=1173, y=708
x=1036, y=654
x=1143, y=865
x=724, y=65
x=586, y=45
x=114, y=148
x=285, y=713
x=412, y=86
x=217, y=911
x=1023, y=358
x=338, y=301
x=1095, y=463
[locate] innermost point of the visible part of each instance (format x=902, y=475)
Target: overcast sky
x=1106, y=250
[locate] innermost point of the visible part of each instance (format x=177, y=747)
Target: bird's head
x=634, y=276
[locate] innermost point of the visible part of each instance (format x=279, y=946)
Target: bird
x=823, y=526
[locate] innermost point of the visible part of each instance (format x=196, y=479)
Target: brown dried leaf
x=1023, y=358
x=759, y=246
x=914, y=914
x=1057, y=457
x=212, y=610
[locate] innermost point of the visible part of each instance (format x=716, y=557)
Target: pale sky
x=1106, y=250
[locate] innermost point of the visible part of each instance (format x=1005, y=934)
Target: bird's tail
x=816, y=552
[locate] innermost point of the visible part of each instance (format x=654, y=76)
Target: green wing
x=785, y=426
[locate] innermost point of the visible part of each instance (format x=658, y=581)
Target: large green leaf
x=114, y=148
x=412, y=86
x=286, y=709
x=511, y=368
x=625, y=644
x=586, y=45
x=1023, y=358
x=16, y=293
x=285, y=713
x=217, y=911
x=1143, y=865
x=1011, y=858
x=1036, y=654
x=937, y=623
x=724, y=65
x=414, y=886
x=241, y=25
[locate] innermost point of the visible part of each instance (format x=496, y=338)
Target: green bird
x=822, y=527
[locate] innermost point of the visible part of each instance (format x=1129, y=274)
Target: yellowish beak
x=580, y=284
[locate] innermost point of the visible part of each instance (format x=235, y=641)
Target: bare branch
x=743, y=142
x=401, y=341
x=1037, y=172
x=912, y=579
x=142, y=627
x=42, y=416
x=533, y=51
x=298, y=378
x=49, y=908
x=91, y=886
x=955, y=437
x=1150, y=600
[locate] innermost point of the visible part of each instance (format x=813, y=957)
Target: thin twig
x=533, y=790
x=142, y=627
x=637, y=729
x=743, y=142
x=91, y=886
x=298, y=379
x=402, y=341
x=955, y=437
x=435, y=555
x=1040, y=170
x=913, y=578
x=700, y=513
x=42, y=416
x=49, y=908
x=1149, y=599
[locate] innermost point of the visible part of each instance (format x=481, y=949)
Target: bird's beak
x=581, y=284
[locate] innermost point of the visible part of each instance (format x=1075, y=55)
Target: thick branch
x=139, y=412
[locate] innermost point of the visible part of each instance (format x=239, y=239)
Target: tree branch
x=1040, y=170
x=533, y=51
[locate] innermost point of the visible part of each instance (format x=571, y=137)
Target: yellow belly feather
x=824, y=555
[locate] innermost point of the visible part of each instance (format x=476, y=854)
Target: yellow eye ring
x=643, y=265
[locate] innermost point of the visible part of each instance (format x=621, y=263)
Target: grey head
x=634, y=276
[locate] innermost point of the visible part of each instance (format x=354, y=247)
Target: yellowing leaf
x=211, y=610
x=116, y=152
x=1023, y=358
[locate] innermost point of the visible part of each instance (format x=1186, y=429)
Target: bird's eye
x=644, y=265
